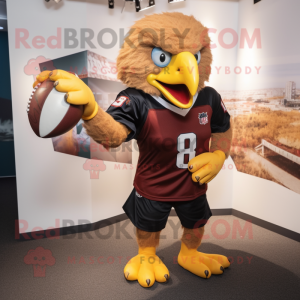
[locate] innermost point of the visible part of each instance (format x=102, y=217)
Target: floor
x=90, y=265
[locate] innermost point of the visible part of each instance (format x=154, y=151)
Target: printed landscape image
x=266, y=134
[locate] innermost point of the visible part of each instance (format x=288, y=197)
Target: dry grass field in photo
x=281, y=128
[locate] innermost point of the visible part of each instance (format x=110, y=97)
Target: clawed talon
x=146, y=269
x=201, y=264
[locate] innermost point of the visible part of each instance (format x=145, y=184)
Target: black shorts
x=152, y=216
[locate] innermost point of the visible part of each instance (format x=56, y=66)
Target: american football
x=49, y=113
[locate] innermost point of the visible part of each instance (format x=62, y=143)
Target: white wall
x=278, y=21
x=52, y=185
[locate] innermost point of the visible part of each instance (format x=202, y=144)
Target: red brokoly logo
x=39, y=258
x=94, y=166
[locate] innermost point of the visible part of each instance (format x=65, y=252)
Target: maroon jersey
x=168, y=138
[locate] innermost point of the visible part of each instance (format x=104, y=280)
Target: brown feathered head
x=167, y=54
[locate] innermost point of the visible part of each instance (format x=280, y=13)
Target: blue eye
x=198, y=57
x=160, y=57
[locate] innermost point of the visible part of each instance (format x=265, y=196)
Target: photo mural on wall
x=266, y=132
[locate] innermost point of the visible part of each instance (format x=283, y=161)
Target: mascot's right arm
x=99, y=124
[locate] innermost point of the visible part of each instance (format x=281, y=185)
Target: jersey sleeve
x=129, y=109
x=220, y=120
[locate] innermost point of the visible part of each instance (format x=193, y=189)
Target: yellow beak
x=178, y=81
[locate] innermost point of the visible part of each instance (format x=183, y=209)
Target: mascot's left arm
x=206, y=166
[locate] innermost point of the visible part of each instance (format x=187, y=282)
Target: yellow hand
x=77, y=92
x=206, y=166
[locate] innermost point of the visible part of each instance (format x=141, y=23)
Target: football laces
x=31, y=95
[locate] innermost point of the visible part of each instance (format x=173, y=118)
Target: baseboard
x=222, y=212
x=52, y=233
x=92, y=226
x=103, y=223
x=267, y=225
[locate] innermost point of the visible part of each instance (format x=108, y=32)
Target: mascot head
x=167, y=54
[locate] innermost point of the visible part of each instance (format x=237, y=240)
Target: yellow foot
x=147, y=268
x=202, y=264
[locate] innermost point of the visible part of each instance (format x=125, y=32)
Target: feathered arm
x=105, y=130
x=222, y=141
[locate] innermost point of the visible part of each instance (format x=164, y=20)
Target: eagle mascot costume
x=182, y=129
